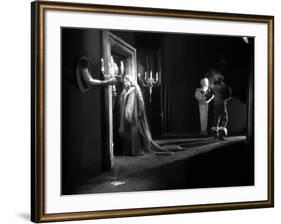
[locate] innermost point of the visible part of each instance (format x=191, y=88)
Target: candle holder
x=113, y=72
x=149, y=82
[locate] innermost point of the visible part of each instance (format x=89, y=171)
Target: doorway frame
x=111, y=42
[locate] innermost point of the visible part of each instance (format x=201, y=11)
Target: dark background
x=182, y=61
x=185, y=59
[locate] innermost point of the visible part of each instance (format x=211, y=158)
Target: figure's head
x=218, y=78
x=215, y=77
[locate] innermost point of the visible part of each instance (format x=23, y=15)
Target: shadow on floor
x=220, y=164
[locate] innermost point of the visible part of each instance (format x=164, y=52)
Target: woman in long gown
x=133, y=119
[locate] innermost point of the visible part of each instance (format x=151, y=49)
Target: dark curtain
x=149, y=59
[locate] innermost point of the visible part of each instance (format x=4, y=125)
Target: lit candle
x=102, y=66
x=122, y=69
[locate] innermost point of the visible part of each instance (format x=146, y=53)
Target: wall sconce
x=149, y=82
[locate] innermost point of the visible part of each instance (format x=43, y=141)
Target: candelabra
x=113, y=71
x=149, y=82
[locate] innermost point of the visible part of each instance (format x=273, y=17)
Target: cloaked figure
x=222, y=94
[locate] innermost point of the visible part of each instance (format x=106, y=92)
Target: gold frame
x=38, y=10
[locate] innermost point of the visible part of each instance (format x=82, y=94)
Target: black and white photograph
x=149, y=111
x=140, y=112
x=155, y=111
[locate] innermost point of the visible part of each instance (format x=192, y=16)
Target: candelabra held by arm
x=113, y=72
x=149, y=82
x=85, y=79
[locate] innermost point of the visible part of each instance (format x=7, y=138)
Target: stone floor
x=204, y=163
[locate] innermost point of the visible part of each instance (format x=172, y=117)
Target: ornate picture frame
x=39, y=96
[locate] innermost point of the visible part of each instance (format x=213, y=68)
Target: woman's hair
x=127, y=83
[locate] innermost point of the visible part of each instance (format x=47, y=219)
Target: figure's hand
x=112, y=81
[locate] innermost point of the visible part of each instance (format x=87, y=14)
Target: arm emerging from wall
x=84, y=78
x=96, y=82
